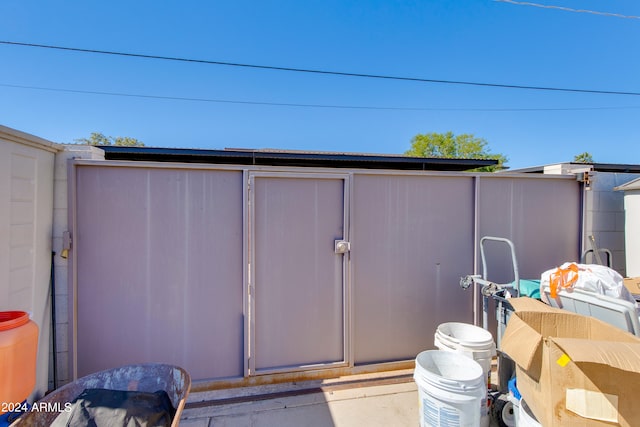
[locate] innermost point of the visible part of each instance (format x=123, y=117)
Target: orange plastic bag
x=563, y=278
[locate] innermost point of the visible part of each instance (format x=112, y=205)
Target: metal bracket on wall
x=585, y=178
x=66, y=244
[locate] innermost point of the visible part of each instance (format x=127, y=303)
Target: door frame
x=249, y=276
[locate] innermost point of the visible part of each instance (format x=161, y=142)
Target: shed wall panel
x=159, y=254
x=541, y=217
x=160, y=263
x=412, y=240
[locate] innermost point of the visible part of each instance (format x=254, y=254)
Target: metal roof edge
x=596, y=167
x=289, y=158
x=634, y=184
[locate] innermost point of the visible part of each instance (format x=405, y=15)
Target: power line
x=568, y=9
x=299, y=105
x=325, y=72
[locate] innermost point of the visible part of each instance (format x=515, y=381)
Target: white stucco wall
x=632, y=232
x=26, y=223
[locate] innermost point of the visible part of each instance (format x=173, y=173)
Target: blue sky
x=475, y=41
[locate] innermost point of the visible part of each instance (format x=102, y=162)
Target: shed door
x=297, y=280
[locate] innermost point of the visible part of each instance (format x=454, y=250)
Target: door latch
x=342, y=246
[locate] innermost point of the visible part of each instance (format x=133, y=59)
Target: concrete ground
x=389, y=399
x=386, y=399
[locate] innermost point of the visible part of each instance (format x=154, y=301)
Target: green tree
x=97, y=138
x=583, y=158
x=448, y=145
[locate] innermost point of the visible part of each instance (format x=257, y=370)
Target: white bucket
x=525, y=417
x=451, y=390
x=472, y=341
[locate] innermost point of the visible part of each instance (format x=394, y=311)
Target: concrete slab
x=378, y=399
x=381, y=399
x=335, y=403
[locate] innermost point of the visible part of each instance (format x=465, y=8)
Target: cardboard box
x=531, y=304
x=633, y=285
x=573, y=370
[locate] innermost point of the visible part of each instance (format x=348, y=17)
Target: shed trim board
x=477, y=313
x=431, y=205
x=305, y=170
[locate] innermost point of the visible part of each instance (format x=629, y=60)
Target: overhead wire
x=288, y=104
x=568, y=9
x=324, y=72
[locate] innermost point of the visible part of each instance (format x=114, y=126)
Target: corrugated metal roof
x=272, y=157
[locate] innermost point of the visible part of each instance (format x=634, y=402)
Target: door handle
x=342, y=246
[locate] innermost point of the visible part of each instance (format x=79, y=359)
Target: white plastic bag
x=590, y=277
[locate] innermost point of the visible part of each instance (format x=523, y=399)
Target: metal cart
x=496, y=291
x=502, y=407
